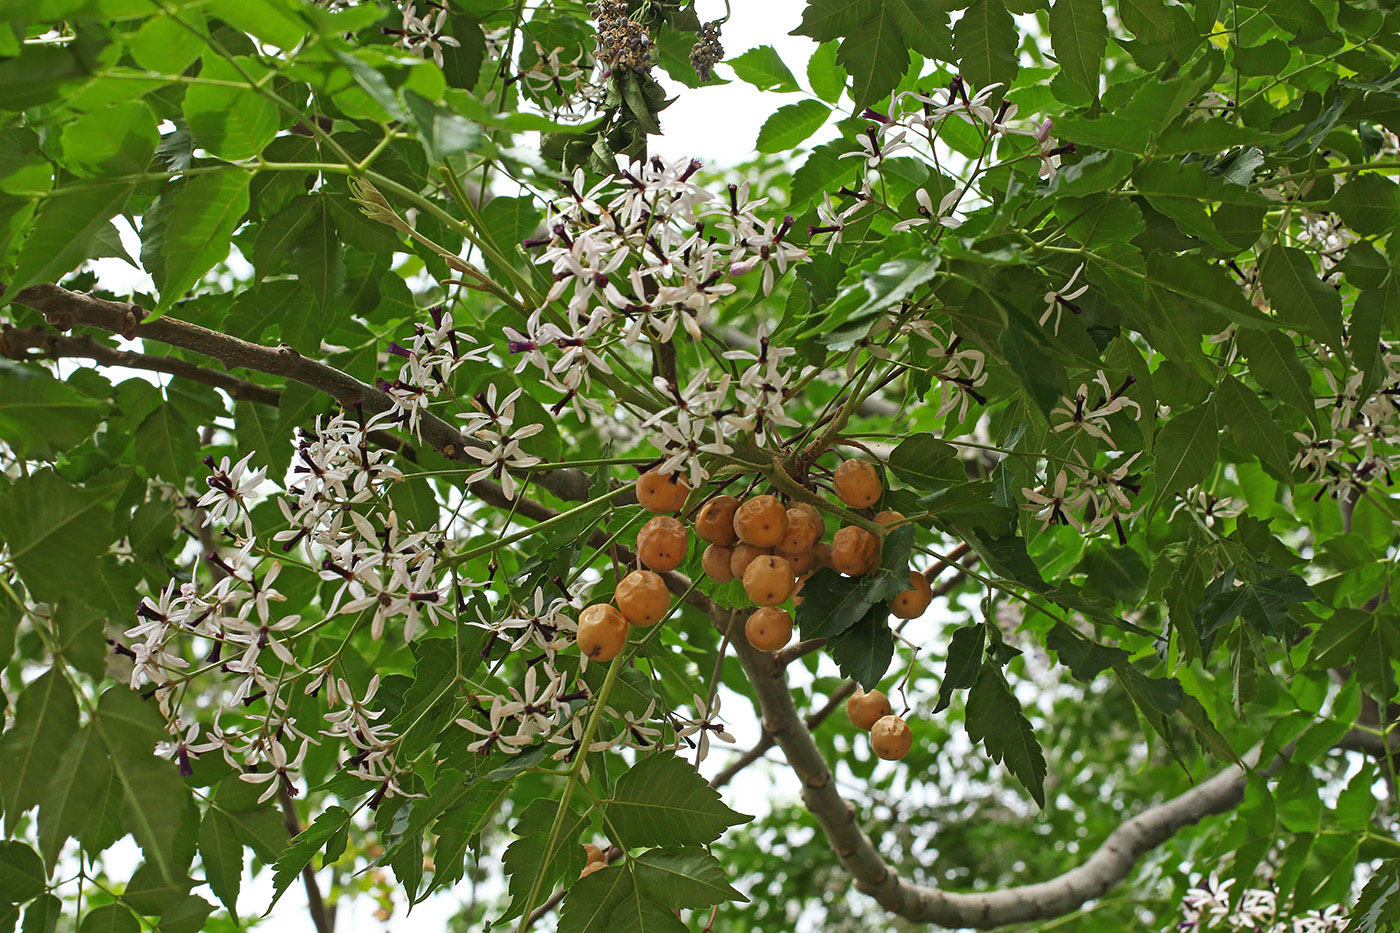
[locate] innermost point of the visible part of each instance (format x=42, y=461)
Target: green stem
x=547, y=523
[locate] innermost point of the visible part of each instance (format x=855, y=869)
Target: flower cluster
x=1358, y=445
x=425, y=34
x=635, y=259
x=1209, y=907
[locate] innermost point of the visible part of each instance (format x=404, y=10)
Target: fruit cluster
x=890, y=736
x=772, y=548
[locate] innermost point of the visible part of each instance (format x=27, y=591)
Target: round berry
x=802, y=533
x=662, y=493
x=715, y=560
x=891, y=738
x=801, y=563
x=911, y=603
x=890, y=517
x=661, y=543
x=642, y=597
x=743, y=555
x=855, y=551
x=816, y=514
x=715, y=521
x=768, y=629
x=865, y=709
x=761, y=521
x=857, y=483
x=768, y=580
x=602, y=632
x=821, y=555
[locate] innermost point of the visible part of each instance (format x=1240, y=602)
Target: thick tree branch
x=66, y=309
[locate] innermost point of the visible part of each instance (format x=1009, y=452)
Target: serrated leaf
x=40, y=414
x=926, y=462
x=199, y=224
x=1299, y=297
x=864, y=651
x=875, y=56
x=1273, y=362
x=1085, y=658
x=612, y=901
x=683, y=878
x=834, y=19
x=995, y=719
x=790, y=126
x=1186, y=451
x=80, y=776
x=231, y=121
x=22, y=874
x=46, y=719
x=1369, y=204
x=42, y=915
x=222, y=856
x=1079, y=35
x=662, y=800
x=332, y=821
x=825, y=74
x=109, y=918
x=831, y=604
x=1253, y=426
x=985, y=38
x=65, y=226
x=963, y=664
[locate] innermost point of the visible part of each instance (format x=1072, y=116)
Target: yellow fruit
x=802, y=532
x=642, y=597
x=816, y=514
x=768, y=580
x=855, y=551
x=661, y=544
x=857, y=483
x=768, y=629
x=866, y=709
x=715, y=521
x=602, y=632
x=662, y=493
x=743, y=555
x=761, y=521
x=911, y=603
x=891, y=738
x=890, y=517
x=715, y=560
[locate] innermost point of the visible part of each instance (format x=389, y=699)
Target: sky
x=719, y=125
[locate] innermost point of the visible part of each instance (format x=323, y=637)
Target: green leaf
x=995, y=719
x=762, y=67
x=118, y=139
x=926, y=462
x=864, y=651
x=831, y=604
x=40, y=415
x=1186, y=451
x=875, y=56
x=231, y=120
x=169, y=445
x=789, y=126
x=1378, y=908
x=187, y=915
x=46, y=718
x=1299, y=297
x=64, y=228
x=834, y=19
x=963, y=664
x=42, y=915
x=199, y=224
x=41, y=72
x=1273, y=362
x=684, y=879
x=823, y=172
x=1079, y=35
x=278, y=234
x=222, y=856
x=1085, y=658
x=273, y=21
x=164, y=45
x=986, y=40
x=109, y=918
x=924, y=26
x=825, y=74
x=22, y=874
x=1369, y=204
x=1252, y=425
x=662, y=800
x=79, y=777
x=530, y=862
x=324, y=830
x=443, y=132
x=612, y=901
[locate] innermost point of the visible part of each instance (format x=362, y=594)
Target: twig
x=324, y=922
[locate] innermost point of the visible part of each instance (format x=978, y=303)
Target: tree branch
x=323, y=920
x=66, y=309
